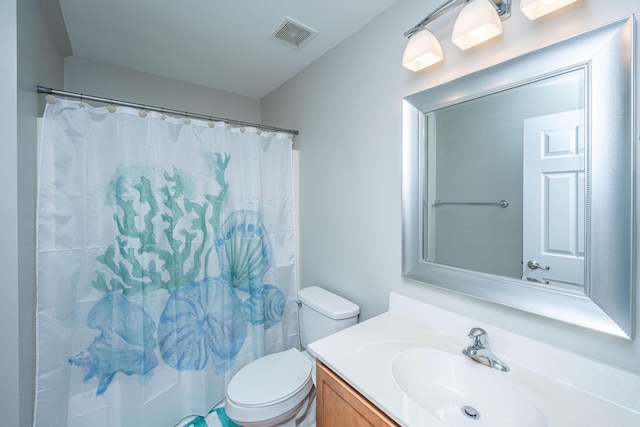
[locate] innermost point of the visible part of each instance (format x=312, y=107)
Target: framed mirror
x=517, y=182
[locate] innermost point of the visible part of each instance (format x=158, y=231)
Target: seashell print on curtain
x=166, y=262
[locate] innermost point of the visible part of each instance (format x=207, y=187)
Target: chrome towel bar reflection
x=501, y=203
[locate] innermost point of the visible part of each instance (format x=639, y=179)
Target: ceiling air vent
x=293, y=33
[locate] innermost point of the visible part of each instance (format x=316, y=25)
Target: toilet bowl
x=278, y=390
x=271, y=390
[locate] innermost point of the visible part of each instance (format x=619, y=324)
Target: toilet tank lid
x=327, y=303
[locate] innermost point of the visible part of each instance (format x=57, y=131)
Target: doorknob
x=534, y=265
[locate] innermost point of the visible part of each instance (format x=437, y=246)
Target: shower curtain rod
x=50, y=91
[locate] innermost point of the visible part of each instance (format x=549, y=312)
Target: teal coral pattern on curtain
x=166, y=261
x=216, y=418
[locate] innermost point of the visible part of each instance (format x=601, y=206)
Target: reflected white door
x=553, y=202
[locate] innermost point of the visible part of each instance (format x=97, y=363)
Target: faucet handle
x=478, y=335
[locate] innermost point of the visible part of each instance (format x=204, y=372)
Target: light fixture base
x=503, y=7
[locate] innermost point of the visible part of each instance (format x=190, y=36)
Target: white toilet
x=278, y=389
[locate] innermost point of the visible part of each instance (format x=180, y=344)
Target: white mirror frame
x=607, y=54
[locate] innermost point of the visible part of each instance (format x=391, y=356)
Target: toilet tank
x=323, y=313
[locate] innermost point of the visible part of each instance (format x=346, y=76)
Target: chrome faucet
x=480, y=351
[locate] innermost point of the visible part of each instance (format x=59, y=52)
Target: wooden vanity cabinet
x=339, y=405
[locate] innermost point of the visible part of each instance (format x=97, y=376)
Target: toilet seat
x=269, y=387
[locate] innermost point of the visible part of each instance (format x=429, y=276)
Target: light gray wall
x=113, y=81
x=28, y=57
x=347, y=107
x=9, y=334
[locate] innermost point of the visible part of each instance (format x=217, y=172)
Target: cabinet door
x=339, y=405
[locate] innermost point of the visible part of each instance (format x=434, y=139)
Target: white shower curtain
x=165, y=263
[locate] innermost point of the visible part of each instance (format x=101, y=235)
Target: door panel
x=553, y=206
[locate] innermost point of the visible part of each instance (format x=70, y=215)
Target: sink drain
x=470, y=412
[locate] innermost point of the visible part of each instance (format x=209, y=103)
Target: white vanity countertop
x=568, y=389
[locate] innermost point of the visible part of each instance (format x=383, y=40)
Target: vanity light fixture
x=478, y=21
x=534, y=9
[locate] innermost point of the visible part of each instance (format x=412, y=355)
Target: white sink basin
x=446, y=386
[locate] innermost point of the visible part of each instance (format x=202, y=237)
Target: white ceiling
x=222, y=44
